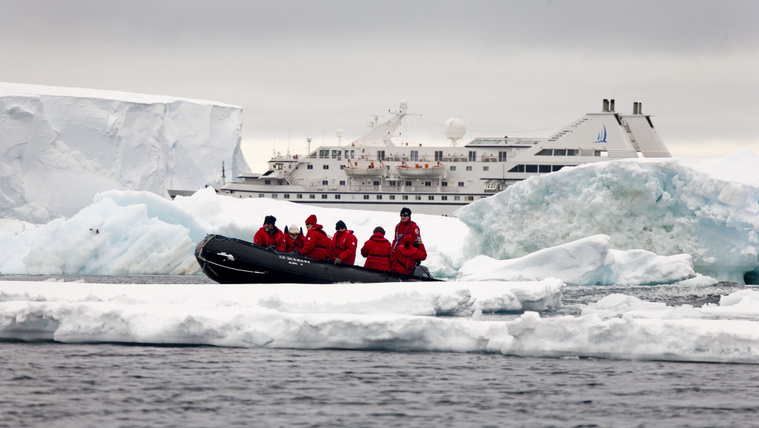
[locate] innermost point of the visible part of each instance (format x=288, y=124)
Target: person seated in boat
x=406, y=256
x=406, y=227
x=291, y=240
x=377, y=250
x=317, y=242
x=268, y=235
x=344, y=245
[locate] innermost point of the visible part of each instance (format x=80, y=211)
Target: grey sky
x=305, y=68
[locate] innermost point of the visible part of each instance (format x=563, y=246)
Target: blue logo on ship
x=601, y=136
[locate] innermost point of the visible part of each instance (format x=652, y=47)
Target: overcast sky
x=306, y=68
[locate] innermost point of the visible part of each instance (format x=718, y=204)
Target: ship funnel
x=611, y=105
x=606, y=105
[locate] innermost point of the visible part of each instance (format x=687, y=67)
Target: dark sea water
x=114, y=385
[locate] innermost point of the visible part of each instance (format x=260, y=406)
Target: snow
x=509, y=306
x=708, y=209
x=61, y=146
x=397, y=317
x=75, y=203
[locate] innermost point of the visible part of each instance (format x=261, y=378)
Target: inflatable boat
x=234, y=261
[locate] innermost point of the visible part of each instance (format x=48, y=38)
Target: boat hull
x=234, y=261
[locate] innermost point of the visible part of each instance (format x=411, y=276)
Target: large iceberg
x=61, y=146
x=706, y=208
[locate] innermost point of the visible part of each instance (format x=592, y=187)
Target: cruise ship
x=374, y=173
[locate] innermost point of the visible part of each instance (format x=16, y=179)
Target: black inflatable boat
x=234, y=261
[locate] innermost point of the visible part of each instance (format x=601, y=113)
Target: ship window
x=310, y=166
x=287, y=196
x=461, y=184
x=381, y=154
x=445, y=183
x=376, y=183
x=470, y=198
x=472, y=156
x=342, y=182
x=379, y=196
x=531, y=168
x=486, y=168
x=457, y=198
x=323, y=154
x=415, y=155
x=428, y=183
x=352, y=153
x=544, y=168
x=312, y=196
x=572, y=152
x=261, y=195
x=405, y=197
x=342, y=166
x=366, y=196
x=559, y=152
x=444, y=197
x=517, y=168
x=324, y=196
x=557, y=167
x=325, y=166
x=335, y=154
x=408, y=183
x=468, y=168
x=438, y=155
x=325, y=182
x=337, y=196
x=299, y=196
x=418, y=197
x=501, y=156
x=346, y=154
x=453, y=167
x=392, y=197
x=274, y=196
x=430, y=198
x=267, y=181
x=544, y=152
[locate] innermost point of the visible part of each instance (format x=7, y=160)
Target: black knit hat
x=406, y=211
x=340, y=225
x=270, y=219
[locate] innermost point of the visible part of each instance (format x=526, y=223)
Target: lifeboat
x=364, y=168
x=421, y=169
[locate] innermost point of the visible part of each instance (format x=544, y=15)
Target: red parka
x=317, y=243
x=344, y=247
x=402, y=229
x=377, y=252
x=287, y=243
x=265, y=239
x=406, y=255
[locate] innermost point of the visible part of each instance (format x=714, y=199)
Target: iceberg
x=61, y=146
x=708, y=209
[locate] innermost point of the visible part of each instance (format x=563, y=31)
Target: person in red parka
x=291, y=240
x=377, y=250
x=268, y=235
x=344, y=245
x=405, y=227
x=317, y=242
x=406, y=255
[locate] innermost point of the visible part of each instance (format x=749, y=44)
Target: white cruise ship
x=373, y=173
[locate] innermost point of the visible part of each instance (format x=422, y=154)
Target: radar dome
x=454, y=129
